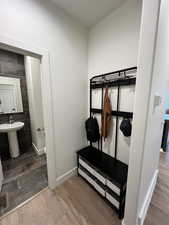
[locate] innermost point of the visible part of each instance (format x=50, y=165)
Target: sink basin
x=11, y=129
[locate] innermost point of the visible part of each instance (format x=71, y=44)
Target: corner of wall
x=66, y=176
x=148, y=198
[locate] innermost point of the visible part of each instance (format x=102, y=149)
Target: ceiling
x=89, y=12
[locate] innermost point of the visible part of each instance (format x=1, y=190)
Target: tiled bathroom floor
x=23, y=178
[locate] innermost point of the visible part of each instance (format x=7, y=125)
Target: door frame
x=28, y=49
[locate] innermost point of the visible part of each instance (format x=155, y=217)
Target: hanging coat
x=106, y=116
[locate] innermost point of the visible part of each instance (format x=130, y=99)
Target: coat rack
x=117, y=79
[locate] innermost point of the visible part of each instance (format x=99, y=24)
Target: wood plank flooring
x=158, y=213
x=76, y=203
x=72, y=203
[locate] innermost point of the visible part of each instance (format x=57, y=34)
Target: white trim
x=22, y=47
x=9, y=83
x=25, y=48
x=39, y=151
x=122, y=222
x=66, y=176
x=148, y=198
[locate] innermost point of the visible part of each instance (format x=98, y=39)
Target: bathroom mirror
x=10, y=95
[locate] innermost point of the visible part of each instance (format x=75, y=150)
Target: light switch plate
x=157, y=100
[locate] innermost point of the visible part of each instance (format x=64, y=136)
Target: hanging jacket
x=106, y=116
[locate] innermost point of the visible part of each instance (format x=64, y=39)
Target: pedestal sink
x=11, y=129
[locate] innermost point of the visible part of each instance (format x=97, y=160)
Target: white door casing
x=28, y=49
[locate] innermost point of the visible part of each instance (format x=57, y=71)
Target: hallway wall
x=113, y=45
x=41, y=23
x=151, y=90
x=113, y=42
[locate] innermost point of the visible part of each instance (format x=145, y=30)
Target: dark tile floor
x=23, y=178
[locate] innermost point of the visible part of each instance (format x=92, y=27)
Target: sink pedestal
x=11, y=129
x=13, y=144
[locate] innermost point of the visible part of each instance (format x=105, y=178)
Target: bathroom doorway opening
x=34, y=169
x=22, y=133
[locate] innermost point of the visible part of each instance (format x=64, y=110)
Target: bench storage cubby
x=107, y=175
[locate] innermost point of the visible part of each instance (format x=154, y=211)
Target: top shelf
x=117, y=78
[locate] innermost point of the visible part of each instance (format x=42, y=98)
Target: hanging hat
x=126, y=127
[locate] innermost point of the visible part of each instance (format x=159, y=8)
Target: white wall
x=153, y=79
x=123, y=146
x=44, y=25
x=159, y=86
x=113, y=45
x=33, y=78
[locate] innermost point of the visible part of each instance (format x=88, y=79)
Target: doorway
x=25, y=49
x=22, y=134
x=165, y=137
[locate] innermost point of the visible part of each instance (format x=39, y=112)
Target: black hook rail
x=113, y=79
x=114, y=113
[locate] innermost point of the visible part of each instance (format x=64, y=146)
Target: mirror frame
x=7, y=80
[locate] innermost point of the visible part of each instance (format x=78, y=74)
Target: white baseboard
x=148, y=198
x=38, y=151
x=66, y=176
x=122, y=222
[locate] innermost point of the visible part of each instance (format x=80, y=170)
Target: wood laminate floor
x=76, y=203
x=158, y=213
x=72, y=203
